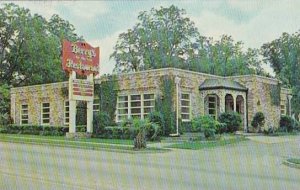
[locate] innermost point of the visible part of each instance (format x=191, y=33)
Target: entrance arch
x=229, y=103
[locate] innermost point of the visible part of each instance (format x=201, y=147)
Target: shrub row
x=35, y=130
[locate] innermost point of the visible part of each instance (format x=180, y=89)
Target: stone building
x=198, y=94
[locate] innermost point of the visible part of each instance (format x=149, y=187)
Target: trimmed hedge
x=288, y=124
x=35, y=130
x=115, y=132
x=233, y=121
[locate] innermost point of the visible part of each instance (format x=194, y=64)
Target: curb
x=290, y=164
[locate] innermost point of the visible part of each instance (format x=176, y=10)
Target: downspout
x=247, y=121
x=177, y=81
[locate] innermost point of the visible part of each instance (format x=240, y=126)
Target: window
x=148, y=105
x=282, y=109
x=96, y=105
x=122, y=108
x=46, y=113
x=212, y=104
x=134, y=106
x=24, y=114
x=67, y=112
x=185, y=107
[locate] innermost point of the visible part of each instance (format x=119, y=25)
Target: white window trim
x=189, y=106
x=128, y=108
x=21, y=114
x=66, y=123
x=42, y=119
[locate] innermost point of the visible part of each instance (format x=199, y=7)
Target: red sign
x=80, y=57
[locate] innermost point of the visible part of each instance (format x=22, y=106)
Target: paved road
x=248, y=165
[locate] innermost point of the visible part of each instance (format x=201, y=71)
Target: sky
x=253, y=22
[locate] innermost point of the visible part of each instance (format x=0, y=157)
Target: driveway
x=248, y=165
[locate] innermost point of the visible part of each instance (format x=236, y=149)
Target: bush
x=258, y=121
x=288, y=124
x=205, y=124
x=4, y=119
x=100, y=121
x=35, y=130
x=157, y=118
x=232, y=120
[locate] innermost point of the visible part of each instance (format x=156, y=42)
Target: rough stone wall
x=34, y=96
x=259, y=98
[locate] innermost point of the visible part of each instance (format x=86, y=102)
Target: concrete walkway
x=273, y=140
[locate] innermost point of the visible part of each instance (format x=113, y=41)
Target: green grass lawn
x=196, y=145
x=119, y=145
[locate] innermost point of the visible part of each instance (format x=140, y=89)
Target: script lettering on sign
x=80, y=57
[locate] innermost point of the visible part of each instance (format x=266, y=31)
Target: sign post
x=82, y=59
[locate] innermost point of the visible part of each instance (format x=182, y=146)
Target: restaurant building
x=198, y=94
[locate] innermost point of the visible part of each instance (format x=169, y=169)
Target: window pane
x=122, y=111
x=148, y=103
x=67, y=115
x=211, y=99
x=135, y=110
x=148, y=110
x=96, y=101
x=185, y=116
x=46, y=104
x=185, y=103
x=46, y=110
x=212, y=111
x=185, y=110
x=123, y=105
x=46, y=121
x=135, y=104
x=185, y=96
x=135, y=97
x=24, y=106
x=24, y=121
x=46, y=115
x=123, y=98
x=66, y=103
x=211, y=105
x=24, y=116
x=148, y=96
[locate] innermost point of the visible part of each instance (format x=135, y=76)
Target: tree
x=161, y=38
x=167, y=38
x=283, y=54
x=30, y=46
x=30, y=49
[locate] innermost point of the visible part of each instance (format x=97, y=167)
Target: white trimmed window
x=45, y=113
x=148, y=104
x=67, y=112
x=185, y=107
x=134, y=106
x=212, y=106
x=122, y=108
x=96, y=105
x=24, y=114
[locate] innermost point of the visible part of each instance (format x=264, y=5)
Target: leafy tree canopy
x=30, y=46
x=283, y=54
x=165, y=37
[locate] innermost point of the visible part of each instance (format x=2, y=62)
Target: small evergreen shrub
x=258, y=121
x=232, y=120
x=287, y=124
x=205, y=124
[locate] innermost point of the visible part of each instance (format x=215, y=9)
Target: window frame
x=22, y=114
x=142, y=113
x=183, y=106
x=42, y=113
x=215, y=115
x=65, y=112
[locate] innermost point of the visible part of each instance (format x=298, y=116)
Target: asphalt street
x=252, y=164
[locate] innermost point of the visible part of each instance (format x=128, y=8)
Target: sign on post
x=83, y=59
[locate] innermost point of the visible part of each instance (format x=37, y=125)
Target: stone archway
x=240, y=108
